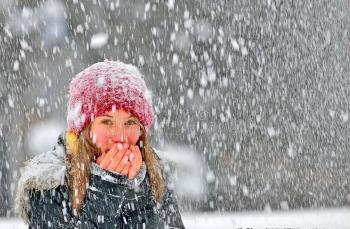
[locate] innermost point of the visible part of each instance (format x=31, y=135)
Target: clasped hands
x=122, y=159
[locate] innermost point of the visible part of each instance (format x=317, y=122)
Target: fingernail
x=119, y=146
x=132, y=156
x=126, y=159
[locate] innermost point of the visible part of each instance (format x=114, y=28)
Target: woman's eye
x=131, y=122
x=107, y=122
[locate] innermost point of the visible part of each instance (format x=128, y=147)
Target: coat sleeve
x=49, y=209
x=169, y=210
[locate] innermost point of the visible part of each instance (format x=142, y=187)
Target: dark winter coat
x=111, y=200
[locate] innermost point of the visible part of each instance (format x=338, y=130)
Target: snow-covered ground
x=326, y=218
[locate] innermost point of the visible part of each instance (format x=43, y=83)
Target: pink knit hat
x=105, y=86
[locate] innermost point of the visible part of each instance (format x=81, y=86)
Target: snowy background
x=330, y=219
x=251, y=97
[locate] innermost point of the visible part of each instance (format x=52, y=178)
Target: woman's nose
x=118, y=136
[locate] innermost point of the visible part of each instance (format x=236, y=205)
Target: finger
x=133, y=171
x=112, y=158
x=120, y=166
x=136, y=156
x=132, y=156
x=111, y=165
x=136, y=163
x=100, y=158
x=120, y=146
x=118, y=157
x=106, y=160
x=125, y=171
x=125, y=145
x=115, y=160
x=139, y=154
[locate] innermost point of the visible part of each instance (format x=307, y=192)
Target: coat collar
x=44, y=171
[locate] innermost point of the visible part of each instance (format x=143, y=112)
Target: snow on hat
x=106, y=86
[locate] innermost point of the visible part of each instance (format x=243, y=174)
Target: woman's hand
x=122, y=159
x=116, y=159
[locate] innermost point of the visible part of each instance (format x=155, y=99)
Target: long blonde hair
x=82, y=151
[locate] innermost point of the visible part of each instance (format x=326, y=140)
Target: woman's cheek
x=134, y=136
x=102, y=140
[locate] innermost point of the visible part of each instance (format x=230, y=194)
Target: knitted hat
x=106, y=86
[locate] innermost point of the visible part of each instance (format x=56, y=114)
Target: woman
x=102, y=173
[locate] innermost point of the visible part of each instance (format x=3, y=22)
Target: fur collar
x=43, y=172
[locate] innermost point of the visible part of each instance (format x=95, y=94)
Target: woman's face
x=115, y=127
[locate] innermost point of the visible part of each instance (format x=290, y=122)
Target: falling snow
x=98, y=40
x=251, y=99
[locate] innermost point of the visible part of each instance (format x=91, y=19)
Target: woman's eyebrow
x=109, y=116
